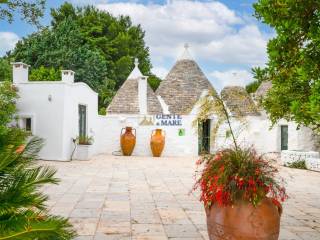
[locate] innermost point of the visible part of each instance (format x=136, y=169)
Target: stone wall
x=311, y=158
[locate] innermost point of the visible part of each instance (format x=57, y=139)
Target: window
x=82, y=120
x=284, y=137
x=26, y=124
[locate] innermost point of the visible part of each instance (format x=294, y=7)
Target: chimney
x=20, y=72
x=67, y=76
x=142, y=94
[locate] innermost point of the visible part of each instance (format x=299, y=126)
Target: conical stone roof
x=183, y=86
x=126, y=100
x=239, y=101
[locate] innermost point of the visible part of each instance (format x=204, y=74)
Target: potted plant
x=84, y=148
x=239, y=189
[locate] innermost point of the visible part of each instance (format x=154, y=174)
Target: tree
x=100, y=48
x=8, y=96
x=23, y=214
x=252, y=87
x=117, y=38
x=30, y=11
x=260, y=75
x=45, y=74
x=154, y=82
x=293, y=65
x=5, y=70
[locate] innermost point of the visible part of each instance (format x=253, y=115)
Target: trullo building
x=62, y=110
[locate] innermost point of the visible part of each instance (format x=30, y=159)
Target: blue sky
x=224, y=38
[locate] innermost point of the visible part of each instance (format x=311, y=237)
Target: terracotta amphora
x=127, y=140
x=157, y=142
x=243, y=221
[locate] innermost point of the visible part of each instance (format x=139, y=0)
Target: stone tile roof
x=263, y=89
x=126, y=100
x=183, y=86
x=238, y=101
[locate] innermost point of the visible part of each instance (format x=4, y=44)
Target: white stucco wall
x=56, y=121
x=111, y=125
x=53, y=107
x=257, y=131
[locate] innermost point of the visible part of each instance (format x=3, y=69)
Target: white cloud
x=161, y=72
x=7, y=41
x=220, y=79
x=215, y=32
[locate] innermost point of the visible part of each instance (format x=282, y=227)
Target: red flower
x=199, y=161
x=276, y=202
x=218, y=157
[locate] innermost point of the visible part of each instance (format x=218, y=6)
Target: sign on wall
x=168, y=120
x=181, y=132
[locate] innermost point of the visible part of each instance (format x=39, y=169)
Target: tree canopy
x=30, y=11
x=99, y=47
x=293, y=65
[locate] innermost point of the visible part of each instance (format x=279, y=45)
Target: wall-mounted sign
x=181, y=132
x=168, y=120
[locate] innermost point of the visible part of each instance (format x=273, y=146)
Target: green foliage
x=100, y=48
x=300, y=164
x=22, y=211
x=252, y=87
x=116, y=38
x=84, y=140
x=213, y=104
x=293, y=65
x=45, y=74
x=154, y=82
x=237, y=175
x=5, y=70
x=64, y=48
x=8, y=96
x=30, y=11
x=260, y=74
x=9, y=136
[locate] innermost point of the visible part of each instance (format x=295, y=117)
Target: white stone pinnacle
x=136, y=71
x=186, y=54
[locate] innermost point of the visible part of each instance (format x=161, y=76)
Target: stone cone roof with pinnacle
x=239, y=101
x=126, y=100
x=184, y=84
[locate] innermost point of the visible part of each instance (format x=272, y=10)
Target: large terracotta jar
x=127, y=140
x=243, y=221
x=157, y=142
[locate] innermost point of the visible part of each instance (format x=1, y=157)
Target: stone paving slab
x=144, y=198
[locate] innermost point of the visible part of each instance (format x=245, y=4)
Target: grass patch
x=300, y=164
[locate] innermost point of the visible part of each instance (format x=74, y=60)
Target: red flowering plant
x=234, y=174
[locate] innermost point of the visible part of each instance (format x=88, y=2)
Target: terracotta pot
x=244, y=221
x=127, y=140
x=157, y=142
x=20, y=149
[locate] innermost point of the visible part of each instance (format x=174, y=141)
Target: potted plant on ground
x=84, y=148
x=238, y=187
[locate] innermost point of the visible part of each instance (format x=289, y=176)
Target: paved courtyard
x=140, y=198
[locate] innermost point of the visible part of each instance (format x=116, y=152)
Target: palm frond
x=30, y=225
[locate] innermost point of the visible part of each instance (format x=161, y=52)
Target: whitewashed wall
x=108, y=137
x=57, y=121
x=257, y=131
x=47, y=117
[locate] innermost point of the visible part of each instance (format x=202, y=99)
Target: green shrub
x=300, y=164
